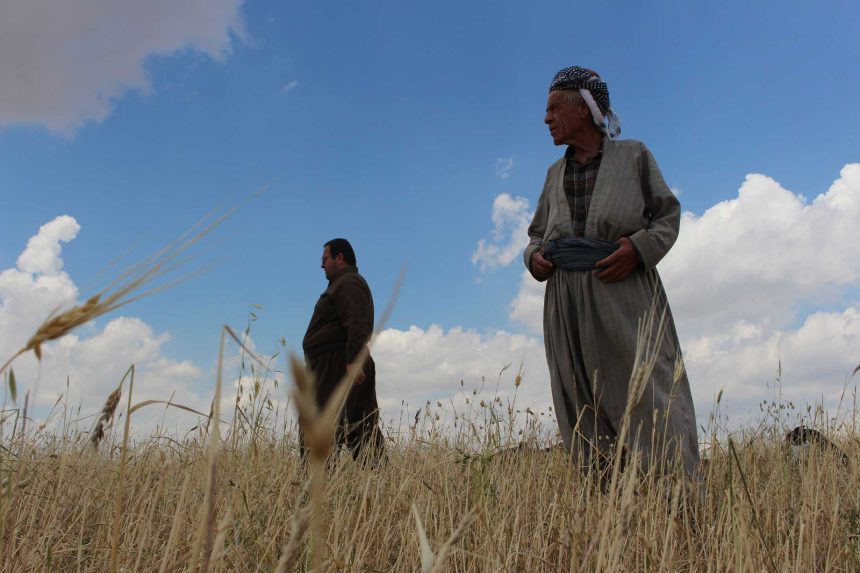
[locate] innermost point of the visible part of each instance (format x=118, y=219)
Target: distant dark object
x=802, y=439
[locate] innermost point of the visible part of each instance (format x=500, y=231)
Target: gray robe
x=590, y=327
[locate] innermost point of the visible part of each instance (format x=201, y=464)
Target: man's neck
x=586, y=145
x=342, y=271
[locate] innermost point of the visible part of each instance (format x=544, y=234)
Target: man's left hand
x=619, y=264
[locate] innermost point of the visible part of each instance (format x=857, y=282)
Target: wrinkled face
x=329, y=263
x=563, y=118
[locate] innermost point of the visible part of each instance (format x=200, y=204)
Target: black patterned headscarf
x=595, y=93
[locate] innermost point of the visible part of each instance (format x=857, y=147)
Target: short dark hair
x=341, y=246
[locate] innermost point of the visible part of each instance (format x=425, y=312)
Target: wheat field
x=482, y=488
x=481, y=496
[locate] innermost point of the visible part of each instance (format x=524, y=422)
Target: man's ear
x=584, y=110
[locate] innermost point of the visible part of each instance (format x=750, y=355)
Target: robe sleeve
x=655, y=240
x=537, y=229
x=355, y=311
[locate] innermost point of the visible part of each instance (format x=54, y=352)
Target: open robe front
x=591, y=327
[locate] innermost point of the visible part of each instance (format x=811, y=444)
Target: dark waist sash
x=577, y=254
x=319, y=349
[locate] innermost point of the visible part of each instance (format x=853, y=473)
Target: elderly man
x=341, y=326
x=604, y=220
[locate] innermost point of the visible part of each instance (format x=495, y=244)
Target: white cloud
x=527, y=307
x=745, y=361
x=95, y=364
x=758, y=257
x=511, y=219
x=38, y=286
x=290, y=86
x=753, y=284
x=42, y=254
x=504, y=167
x=66, y=61
x=418, y=364
x=745, y=272
x=93, y=359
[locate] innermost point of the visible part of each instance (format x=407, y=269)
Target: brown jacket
x=342, y=318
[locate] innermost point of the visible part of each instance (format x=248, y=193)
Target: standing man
x=340, y=328
x=604, y=220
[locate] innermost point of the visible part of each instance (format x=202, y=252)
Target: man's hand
x=541, y=268
x=359, y=376
x=619, y=264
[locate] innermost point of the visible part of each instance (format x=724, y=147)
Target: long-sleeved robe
x=340, y=327
x=590, y=327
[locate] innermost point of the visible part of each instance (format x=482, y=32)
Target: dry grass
x=478, y=490
x=477, y=505
x=468, y=490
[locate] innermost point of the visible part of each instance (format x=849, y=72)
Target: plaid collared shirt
x=579, y=181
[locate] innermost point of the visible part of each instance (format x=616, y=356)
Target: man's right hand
x=541, y=268
x=359, y=373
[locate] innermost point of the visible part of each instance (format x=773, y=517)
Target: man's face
x=563, y=118
x=329, y=263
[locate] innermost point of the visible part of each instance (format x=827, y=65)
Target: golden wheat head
x=105, y=417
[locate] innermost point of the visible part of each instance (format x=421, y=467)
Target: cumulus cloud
x=65, y=62
x=759, y=256
x=527, y=307
x=94, y=360
x=808, y=366
x=418, y=364
x=748, y=280
x=504, y=167
x=38, y=286
x=753, y=284
x=511, y=218
x=42, y=255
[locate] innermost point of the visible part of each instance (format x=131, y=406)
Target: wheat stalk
x=114, y=546
x=301, y=521
x=174, y=528
x=218, y=548
x=455, y=538
x=106, y=416
x=428, y=558
x=205, y=538
x=435, y=562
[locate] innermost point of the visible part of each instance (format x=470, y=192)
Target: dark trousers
x=358, y=429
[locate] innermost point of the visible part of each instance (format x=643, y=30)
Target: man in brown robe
x=341, y=326
x=604, y=220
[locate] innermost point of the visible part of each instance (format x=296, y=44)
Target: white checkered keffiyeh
x=594, y=92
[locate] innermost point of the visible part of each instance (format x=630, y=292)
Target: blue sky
x=399, y=125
